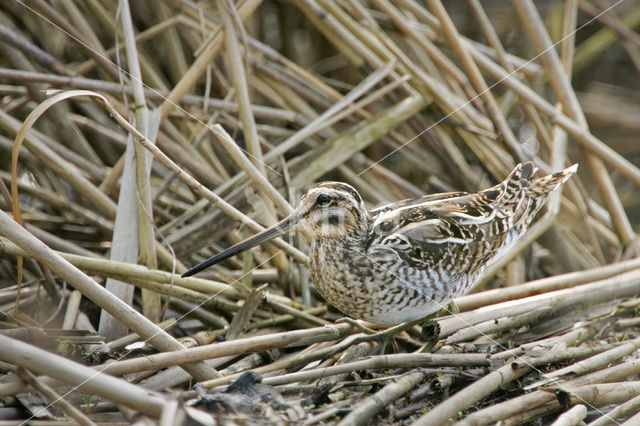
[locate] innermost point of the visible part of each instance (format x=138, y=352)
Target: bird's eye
x=323, y=200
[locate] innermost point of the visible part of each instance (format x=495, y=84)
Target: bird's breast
x=377, y=285
x=344, y=276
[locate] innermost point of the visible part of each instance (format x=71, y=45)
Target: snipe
x=406, y=260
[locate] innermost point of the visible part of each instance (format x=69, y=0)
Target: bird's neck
x=353, y=234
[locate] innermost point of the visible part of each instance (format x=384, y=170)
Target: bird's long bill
x=266, y=235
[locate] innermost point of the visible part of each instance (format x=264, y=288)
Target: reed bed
x=139, y=138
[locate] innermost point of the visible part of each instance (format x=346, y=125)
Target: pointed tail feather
x=549, y=183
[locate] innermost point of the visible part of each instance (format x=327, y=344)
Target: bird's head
x=327, y=210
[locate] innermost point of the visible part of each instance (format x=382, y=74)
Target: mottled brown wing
x=465, y=230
